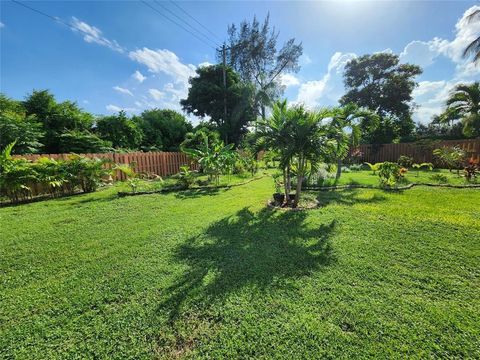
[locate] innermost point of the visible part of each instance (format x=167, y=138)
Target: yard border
x=409, y=186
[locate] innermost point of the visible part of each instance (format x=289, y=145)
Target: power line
x=198, y=22
x=179, y=25
x=54, y=18
x=186, y=23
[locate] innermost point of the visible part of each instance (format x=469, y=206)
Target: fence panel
x=420, y=152
x=151, y=163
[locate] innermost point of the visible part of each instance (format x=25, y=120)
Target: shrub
x=346, y=169
x=373, y=167
x=428, y=166
x=439, y=178
x=471, y=170
x=405, y=161
x=186, y=177
x=390, y=173
x=18, y=177
x=450, y=157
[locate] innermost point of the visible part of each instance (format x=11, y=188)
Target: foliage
x=214, y=157
x=133, y=178
x=405, y=161
x=300, y=140
x=186, y=177
x=356, y=167
x=373, y=167
x=473, y=48
x=277, y=182
x=428, y=166
x=82, y=142
x=463, y=105
x=471, y=169
x=121, y=131
x=56, y=118
x=254, y=54
x=206, y=96
x=16, y=126
x=162, y=129
x=380, y=83
x=56, y=177
x=450, y=157
x=390, y=173
x=439, y=178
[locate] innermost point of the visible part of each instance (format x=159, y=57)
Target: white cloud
x=91, y=34
x=156, y=94
x=305, y=59
x=427, y=87
x=205, y=63
x=328, y=89
x=137, y=75
x=115, y=108
x=421, y=53
x=431, y=95
x=2, y=25
x=289, y=80
x=164, y=61
x=122, y=90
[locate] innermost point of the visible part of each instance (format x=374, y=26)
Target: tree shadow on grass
x=257, y=249
x=197, y=193
x=347, y=197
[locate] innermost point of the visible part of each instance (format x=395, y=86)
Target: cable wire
x=179, y=25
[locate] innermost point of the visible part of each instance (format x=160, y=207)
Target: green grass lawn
x=366, y=177
x=214, y=274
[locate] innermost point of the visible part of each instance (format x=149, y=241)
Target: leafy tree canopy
x=163, y=129
x=254, y=54
x=206, y=98
x=16, y=126
x=380, y=83
x=121, y=131
x=463, y=105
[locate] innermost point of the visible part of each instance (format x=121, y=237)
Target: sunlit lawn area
x=215, y=274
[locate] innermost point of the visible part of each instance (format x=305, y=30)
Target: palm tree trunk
x=288, y=184
x=298, y=190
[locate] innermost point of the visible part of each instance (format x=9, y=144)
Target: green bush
x=20, y=179
x=390, y=173
x=405, y=161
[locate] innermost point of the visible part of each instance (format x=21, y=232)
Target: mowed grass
x=367, y=177
x=214, y=274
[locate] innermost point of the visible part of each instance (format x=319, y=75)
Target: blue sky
x=124, y=55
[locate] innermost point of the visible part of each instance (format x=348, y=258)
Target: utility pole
x=224, y=56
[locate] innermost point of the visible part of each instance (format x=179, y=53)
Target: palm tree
x=473, y=49
x=346, y=118
x=300, y=139
x=464, y=101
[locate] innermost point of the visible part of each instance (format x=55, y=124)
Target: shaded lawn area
x=217, y=275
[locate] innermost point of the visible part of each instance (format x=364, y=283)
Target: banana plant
x=417, y=167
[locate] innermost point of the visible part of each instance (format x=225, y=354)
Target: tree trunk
x=298, y=190
x=339, y=170
x=288, y=184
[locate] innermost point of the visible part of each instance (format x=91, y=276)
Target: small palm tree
x=473, y=49
x=346, y=118
x=464, y=101
x=300, y=140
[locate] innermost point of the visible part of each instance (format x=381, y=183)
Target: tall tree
x=56, y=118
x=163, y=129
x=463, y=105
x=473, y=49
x=206, y=97
x=380, y=83
x=121, y=131
x=254, y=54
x=16, y=126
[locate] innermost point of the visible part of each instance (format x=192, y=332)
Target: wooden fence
x=158, y=163
x=419, y=151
